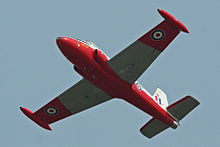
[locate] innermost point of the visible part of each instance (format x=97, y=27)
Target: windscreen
x=89, y=43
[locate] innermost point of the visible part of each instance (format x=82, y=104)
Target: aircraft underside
x=104, y=79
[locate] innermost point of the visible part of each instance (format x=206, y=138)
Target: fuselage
x=82, y=56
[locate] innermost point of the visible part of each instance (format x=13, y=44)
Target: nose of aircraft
x=64, y=44
x=59, y=42
x=59, y=38
x=67, y=46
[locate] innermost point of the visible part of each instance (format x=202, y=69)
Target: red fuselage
x=92, y=64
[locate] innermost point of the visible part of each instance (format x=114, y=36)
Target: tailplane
x=182, y=107
x=178, y=110
x=153, y=127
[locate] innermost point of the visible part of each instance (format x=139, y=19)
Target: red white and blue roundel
x=51, y=110
x=157, y=35
x=138, y=86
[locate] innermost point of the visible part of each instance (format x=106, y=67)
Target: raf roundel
x=157, y=35
x=51, y=110
x=138, y=86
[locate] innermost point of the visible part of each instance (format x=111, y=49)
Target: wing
x=79, y=97
x=136, y=58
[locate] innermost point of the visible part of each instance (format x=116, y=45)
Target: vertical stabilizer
x=161, y=98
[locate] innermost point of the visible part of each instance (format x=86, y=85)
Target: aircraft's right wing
x=79, y=97
x=136, y=58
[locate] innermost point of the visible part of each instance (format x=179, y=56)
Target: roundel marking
x=157, y=35
x=138, y=86
x=51, y=110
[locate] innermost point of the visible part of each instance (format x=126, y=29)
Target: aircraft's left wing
x=79, y=97
x=136, y=58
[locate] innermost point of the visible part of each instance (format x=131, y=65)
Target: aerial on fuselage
x=105, y=79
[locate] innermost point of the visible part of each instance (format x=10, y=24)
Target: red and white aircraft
x=105, y=79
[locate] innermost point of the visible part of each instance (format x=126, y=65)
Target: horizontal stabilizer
x=178, y=110
x=153, y=127
x=182, y=107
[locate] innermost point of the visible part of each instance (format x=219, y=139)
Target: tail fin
x=178, y=110
x=161, y=98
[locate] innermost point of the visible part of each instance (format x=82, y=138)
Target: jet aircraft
x=105, y=79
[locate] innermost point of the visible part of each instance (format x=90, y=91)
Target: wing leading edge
x=136, y=58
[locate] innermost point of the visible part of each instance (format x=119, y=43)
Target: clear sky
x=33, y=70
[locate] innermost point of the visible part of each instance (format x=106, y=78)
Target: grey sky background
x=33, y=71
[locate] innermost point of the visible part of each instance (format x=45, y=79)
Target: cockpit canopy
x=89, y=43
x=92, y=45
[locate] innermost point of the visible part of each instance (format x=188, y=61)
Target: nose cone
x=59, y=41
x=67, y=46
x=64, y=44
